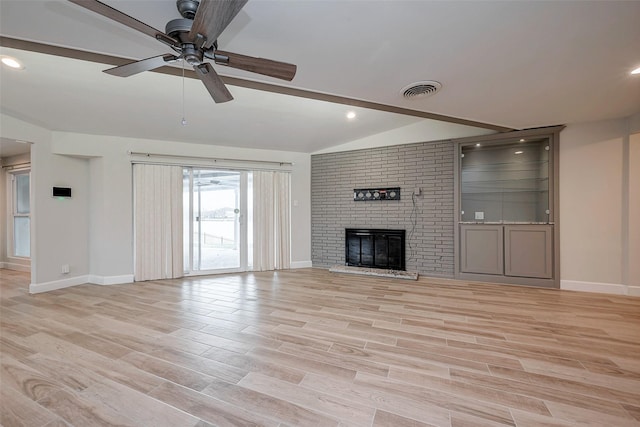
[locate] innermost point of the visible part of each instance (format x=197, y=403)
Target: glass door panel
x=21, y=215
x=21, y=236
x=505, y=182
x=214, y=226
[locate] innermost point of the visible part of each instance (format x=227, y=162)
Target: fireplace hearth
x=375, y=248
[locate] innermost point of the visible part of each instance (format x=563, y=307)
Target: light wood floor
x=309, y=347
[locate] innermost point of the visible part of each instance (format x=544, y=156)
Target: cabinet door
x=481, y=249
x=528, y=251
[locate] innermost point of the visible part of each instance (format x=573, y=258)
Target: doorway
x=215, y=220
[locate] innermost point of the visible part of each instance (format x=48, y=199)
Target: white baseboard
x=301, y=264
x=634, y=291
x=110, y=280
x=15, y=267
x=603, y=288
x=36, y=288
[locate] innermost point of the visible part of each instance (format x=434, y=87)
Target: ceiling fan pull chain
x=184, y=121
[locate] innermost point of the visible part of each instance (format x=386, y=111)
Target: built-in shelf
x=506, y=187
x=501, y=186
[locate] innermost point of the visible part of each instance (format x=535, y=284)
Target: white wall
x=599, y=207
x=59, y=229
x=634, y=211
x=3, y=218
x=110, y=199
x=60, y=226
x=92, y=232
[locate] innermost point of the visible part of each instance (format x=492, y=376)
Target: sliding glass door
x=215, y=220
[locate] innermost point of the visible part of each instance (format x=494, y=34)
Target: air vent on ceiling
x=420, y=89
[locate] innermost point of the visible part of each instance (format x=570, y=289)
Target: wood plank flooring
x=313, y=348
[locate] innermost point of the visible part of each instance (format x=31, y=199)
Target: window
x=20, y=241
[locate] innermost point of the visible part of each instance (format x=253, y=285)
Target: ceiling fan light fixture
x=192, y=55
x=420, y=89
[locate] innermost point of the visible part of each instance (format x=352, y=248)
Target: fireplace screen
x=375, y=248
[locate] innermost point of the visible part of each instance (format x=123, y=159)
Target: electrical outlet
x=65, y=269
x=417, y=191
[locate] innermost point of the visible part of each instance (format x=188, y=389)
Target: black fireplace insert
x=375, y=248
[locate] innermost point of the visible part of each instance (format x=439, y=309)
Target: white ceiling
x=515, y=64
x=12, y=147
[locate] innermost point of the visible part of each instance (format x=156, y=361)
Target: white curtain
x=157, y=221
x=271, y=220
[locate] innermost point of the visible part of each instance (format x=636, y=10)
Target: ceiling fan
x=194, y=39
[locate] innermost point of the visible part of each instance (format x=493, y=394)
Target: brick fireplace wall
x=429, y=248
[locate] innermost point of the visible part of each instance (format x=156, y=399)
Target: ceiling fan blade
x=124, y=19
x=212, y=18
x=213, y=83
x=136, y=67
x=267, y=67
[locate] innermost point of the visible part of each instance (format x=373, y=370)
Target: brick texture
x=429, y=249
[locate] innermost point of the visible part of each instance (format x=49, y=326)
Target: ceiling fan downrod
x=187, y=8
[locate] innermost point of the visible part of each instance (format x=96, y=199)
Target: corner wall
x=59, y=229
x=600, y=207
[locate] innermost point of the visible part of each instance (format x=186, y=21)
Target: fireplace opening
x=375, y=248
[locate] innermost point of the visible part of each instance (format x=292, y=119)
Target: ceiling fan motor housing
x=179, y=29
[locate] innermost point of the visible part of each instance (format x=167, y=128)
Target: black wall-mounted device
x=364, y=194
x=62, y=192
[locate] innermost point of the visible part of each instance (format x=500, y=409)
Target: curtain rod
x=215, y=159
x=17, y=165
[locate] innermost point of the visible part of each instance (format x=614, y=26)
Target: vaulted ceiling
x=502, y=65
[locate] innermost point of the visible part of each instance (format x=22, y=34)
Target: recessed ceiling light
x=522, y=140
x=636, y=71
x=351, y=115
x=11, y=62
x=478, y=145
x=519, y=152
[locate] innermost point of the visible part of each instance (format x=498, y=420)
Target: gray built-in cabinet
x=506, y=199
